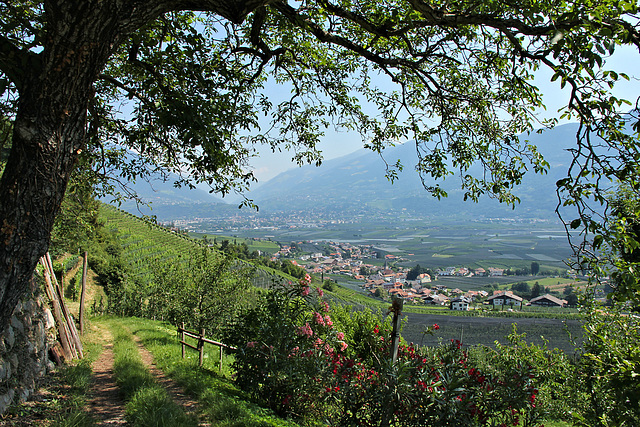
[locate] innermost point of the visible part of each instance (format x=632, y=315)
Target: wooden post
x=201, y=348
x=396, y=309
x=82, y=293
x=182, y=338
x=220, y=358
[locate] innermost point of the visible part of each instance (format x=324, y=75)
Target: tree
x=521, y=287
x=415, y=272
x=194, y=85
x=536, y=290
x=535, y=268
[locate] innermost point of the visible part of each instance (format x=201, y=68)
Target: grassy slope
x=145, y=244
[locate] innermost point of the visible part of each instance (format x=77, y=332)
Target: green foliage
x=328, y=285
x=152, y=406
x=288, y=360
x=77, y=221
x=535, y=268
x=416, y=271
x=609, y=370
x=222, y=403
x=282, y=346
x=207, y=291
x=521, y=287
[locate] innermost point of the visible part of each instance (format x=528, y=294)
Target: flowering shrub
x=283, y=349
x=434, y=387
x=306, y=360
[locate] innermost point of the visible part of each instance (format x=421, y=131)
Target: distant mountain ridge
x=357, y=181
x=355, y=184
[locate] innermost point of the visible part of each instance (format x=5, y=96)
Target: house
x=496, y=271
x=505, y=298
x=460, y=303
x=435, y=299
x=424, y=278
x=548, y=301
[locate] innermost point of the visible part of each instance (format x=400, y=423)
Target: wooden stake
x=82, y=293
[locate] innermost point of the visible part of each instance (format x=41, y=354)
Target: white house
x=460, y=304
x=505, y=298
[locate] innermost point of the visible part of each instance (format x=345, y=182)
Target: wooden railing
x=199, y=347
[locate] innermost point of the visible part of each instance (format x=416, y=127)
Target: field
x=469, y=244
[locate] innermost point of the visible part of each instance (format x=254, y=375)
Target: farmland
x=144, y=244
x=471, y=244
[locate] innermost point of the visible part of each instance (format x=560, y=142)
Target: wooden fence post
x=182, y=338
x=396, y=309
x=220, y=358
x=201, y=347
x=82, y=293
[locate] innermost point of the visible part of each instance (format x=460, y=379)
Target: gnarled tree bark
x=55, y=86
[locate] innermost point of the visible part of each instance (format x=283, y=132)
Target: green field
x=469, y=244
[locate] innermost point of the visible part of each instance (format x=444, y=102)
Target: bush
x=609, y=370
x=302, y=362
x=284, y=346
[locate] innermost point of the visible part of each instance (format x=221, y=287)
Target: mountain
x=357, y=183
x=162, y=199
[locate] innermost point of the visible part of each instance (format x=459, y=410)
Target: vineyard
x=146, y=245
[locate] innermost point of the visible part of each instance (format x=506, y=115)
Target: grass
x=221, y=402
x=148, y=403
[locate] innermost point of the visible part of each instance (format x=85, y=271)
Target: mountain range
x=356, y=185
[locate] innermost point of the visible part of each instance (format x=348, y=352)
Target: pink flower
x=436, y=326
x=305, y=330
x=320, y=292
x=318, y=318
x=328, y=321
x=305, y=291
x=305, y=280
x=325, y=306
x=343, y=346
x=251, y=344
x=340, y=335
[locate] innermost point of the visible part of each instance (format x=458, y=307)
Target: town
x=413, y=285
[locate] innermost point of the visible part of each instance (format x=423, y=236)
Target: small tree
x=535, y=268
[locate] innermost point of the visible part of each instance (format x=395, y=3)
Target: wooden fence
x=183, y=333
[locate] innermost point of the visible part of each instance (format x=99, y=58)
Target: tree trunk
x=48, y=134
x=55, y=87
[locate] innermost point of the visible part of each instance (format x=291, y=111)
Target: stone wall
x=24, y=349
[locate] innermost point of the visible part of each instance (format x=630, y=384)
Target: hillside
x=146, y=245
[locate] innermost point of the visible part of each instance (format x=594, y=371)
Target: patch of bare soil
x=105, y=403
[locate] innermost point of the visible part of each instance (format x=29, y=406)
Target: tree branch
x=14, y=61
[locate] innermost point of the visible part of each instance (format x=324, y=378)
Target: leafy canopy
x=192, y=92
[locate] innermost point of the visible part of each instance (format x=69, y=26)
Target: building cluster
x=351, y=260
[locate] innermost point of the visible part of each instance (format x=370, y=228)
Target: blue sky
x=337, y=144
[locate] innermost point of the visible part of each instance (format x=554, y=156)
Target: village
x=384, y=282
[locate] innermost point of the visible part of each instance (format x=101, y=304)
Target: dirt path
x=176, y=392
x=105, y=403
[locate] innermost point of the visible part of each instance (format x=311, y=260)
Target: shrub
x=302, y=362
x=283, y=348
